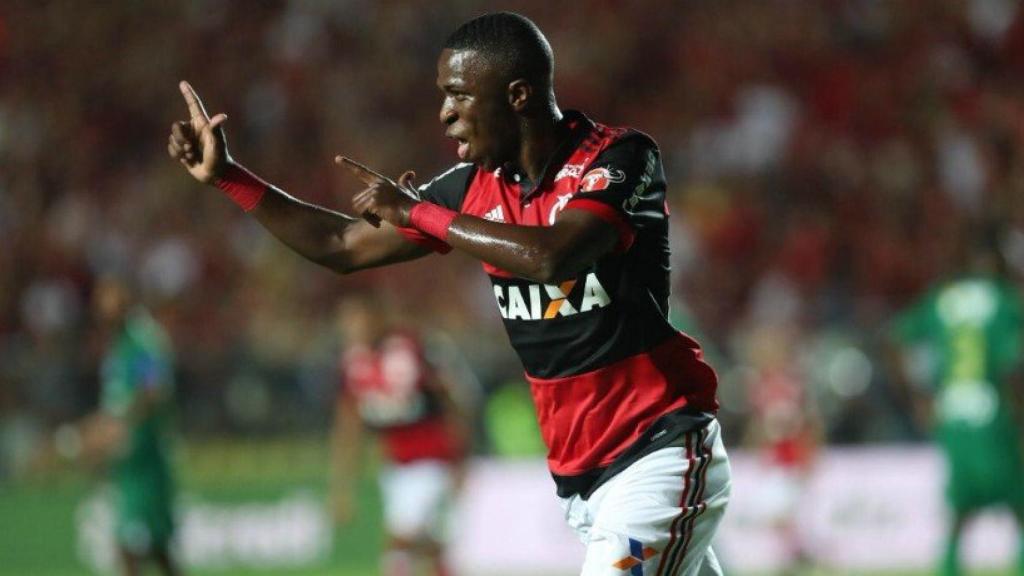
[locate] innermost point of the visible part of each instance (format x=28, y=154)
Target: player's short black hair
x=512, y=40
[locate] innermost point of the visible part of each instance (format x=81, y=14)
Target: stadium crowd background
x=823, y=158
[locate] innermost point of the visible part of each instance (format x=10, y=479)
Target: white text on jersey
x=547, y=301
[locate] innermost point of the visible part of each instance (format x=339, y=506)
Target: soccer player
x=130, y=431
x=970, y=326
x=785, y=430
x=568, y=218
x=389, y=386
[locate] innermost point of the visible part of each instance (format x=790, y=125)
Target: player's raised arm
x=542, y=253
x=337, y=241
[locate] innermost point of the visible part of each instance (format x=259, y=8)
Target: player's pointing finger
x=195, y=106
x=368, y=176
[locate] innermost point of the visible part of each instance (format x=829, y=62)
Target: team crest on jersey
x=548, y=301
x=638, y=554
x=601, y=178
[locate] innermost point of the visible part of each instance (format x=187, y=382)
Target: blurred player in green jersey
x=129, y=433
x=967, y=334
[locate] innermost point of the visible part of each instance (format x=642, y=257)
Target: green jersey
x=972, y=329
x=139, y=361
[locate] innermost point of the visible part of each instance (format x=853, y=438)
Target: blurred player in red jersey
x=389, y=387
x=568, y=218
x=785, y=429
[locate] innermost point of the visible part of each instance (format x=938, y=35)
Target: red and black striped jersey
x=609, y=375
x=394, y=390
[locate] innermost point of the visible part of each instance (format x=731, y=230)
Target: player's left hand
x=383, y=199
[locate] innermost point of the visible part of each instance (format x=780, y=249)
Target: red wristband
x=242, y=187
x=432, y=219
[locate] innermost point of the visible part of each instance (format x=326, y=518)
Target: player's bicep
x=579, y=239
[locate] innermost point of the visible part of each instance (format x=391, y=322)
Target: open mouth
x=463, y=150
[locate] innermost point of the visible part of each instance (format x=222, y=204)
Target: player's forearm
x=101, y=436
x=345, y=445
x=334, y=240
x=344, y=463
x=315, y=233
x=144, y=404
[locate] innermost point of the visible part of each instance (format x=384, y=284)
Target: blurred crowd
x=823, y=160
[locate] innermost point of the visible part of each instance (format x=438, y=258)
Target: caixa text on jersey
x=547, y=301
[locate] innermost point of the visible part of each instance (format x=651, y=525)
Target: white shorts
x=416, y=498
x=781, y=490
x=657, y=517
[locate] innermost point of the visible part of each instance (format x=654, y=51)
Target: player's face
x=110, y=301
x=476, y=108
x=359, y=322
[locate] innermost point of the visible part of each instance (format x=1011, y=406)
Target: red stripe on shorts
x=701, y=506
x=682, y=503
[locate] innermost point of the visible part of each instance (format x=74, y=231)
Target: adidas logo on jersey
x=547, y=301
x=496, y=214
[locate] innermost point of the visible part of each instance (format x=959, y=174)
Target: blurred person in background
x=390, y=387
x=785, y=430
x=130, y=433
x=957, y=354
x=569, y=219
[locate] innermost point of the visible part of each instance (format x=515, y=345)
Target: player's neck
x=541, y=136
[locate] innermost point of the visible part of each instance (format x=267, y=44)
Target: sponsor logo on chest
x=571, y=170
x=548, y=301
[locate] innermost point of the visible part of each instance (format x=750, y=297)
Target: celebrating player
x=568, y=217
x=389, y=386
x=972, y=328
x=130, y=431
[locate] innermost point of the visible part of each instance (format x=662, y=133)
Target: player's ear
x=519, y=93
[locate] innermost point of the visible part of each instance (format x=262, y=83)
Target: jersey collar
x=579, y=127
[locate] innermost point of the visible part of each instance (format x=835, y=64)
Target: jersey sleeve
x=447, y=190
x=149, y=372
x=625, y=186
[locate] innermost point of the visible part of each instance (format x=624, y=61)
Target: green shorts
x=144, y=507
x=979, y=480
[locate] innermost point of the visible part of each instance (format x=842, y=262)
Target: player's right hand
x=199, y=143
